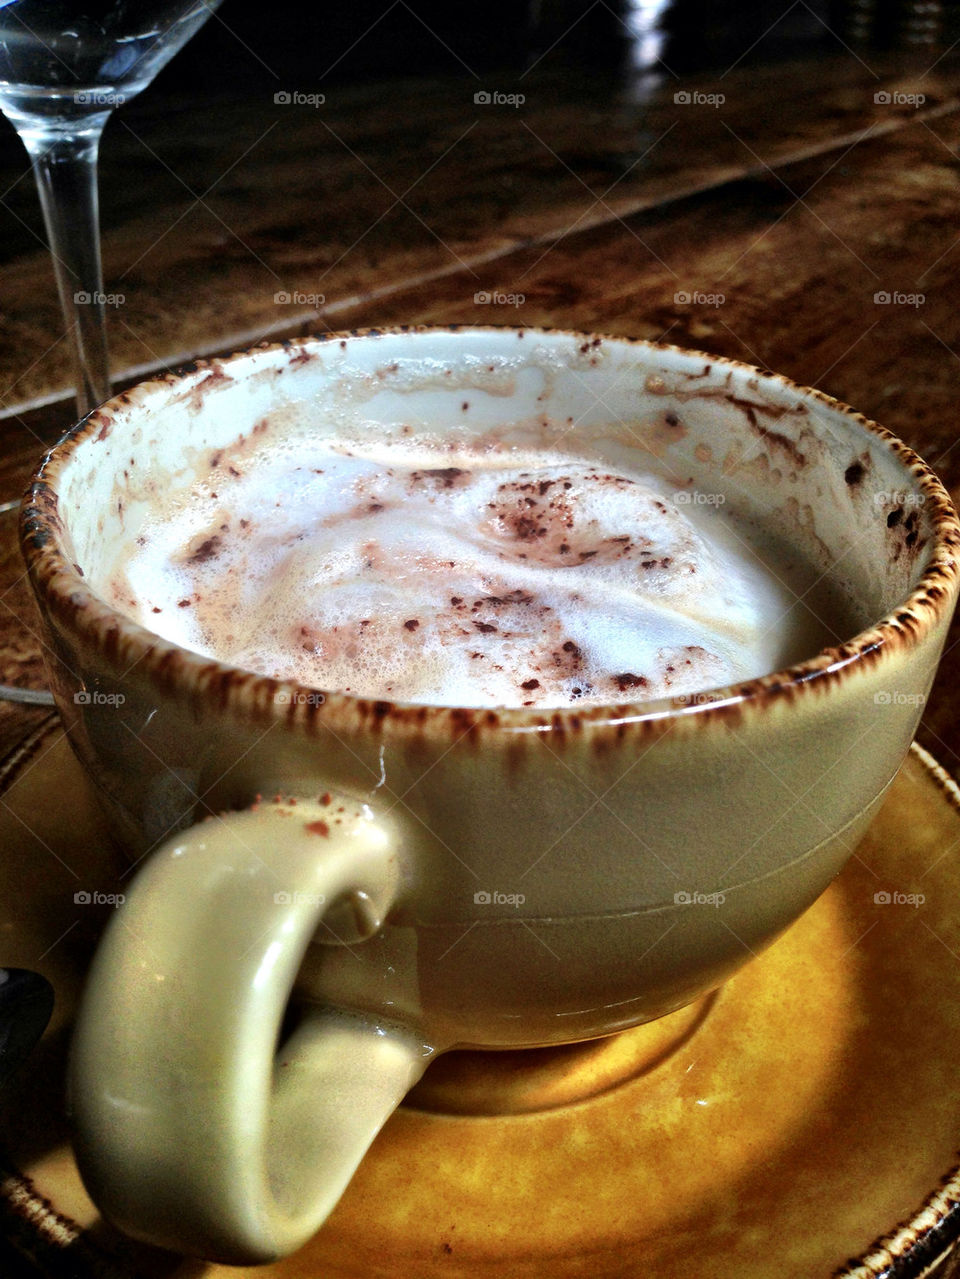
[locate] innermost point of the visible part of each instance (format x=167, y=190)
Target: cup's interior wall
x=791, y=464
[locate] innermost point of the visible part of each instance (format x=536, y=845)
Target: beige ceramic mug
x=375, y=883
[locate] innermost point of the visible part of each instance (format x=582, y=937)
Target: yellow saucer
x=779, y=1128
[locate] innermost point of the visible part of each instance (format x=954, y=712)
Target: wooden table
x=790, y=194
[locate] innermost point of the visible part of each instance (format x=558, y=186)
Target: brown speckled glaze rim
x=260, y=699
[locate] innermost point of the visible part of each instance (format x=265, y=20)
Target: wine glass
x=64, y=66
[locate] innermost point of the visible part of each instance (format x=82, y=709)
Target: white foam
x=521, y=578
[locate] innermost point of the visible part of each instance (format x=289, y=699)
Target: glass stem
x=65, y=167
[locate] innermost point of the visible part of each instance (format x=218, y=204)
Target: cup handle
x=192, y=1130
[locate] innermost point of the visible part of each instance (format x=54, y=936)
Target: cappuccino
x=464, y=574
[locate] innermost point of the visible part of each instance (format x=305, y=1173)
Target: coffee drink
x=466, y=574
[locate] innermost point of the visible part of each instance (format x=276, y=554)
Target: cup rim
x=60, y=585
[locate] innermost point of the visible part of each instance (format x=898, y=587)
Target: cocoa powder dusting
x=206, y=550
x=629, y=680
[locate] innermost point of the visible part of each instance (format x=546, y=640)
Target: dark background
x=308, y=47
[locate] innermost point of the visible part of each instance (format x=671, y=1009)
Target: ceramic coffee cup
x=338, y=889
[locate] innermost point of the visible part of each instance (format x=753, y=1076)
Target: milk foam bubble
x=471, y=577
